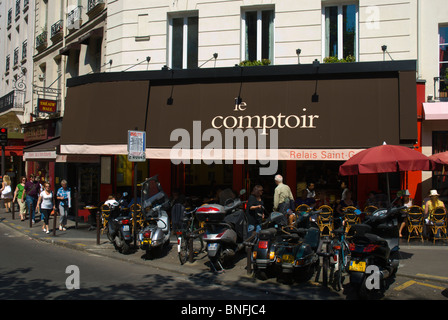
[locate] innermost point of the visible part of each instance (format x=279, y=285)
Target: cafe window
x=183, y=42
x=340, y=31
x=258, y=35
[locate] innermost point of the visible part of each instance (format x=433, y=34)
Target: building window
x=183, y=43
x=258, y=35
x=340, y=32
x=443, y=59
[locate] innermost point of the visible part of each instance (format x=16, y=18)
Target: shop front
x=210, y=129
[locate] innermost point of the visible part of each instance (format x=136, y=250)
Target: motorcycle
x=225, y=231
x=119, y=226
x=374, y=252
x=155, y=235
x=264, y=250
x=296, y=253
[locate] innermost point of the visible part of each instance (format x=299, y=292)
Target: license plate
x=212, y=246
x=125, y=228
x=288, y=258
x=359, y=266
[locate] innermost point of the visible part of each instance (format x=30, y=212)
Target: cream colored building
x=69, y=42
x=16, y=63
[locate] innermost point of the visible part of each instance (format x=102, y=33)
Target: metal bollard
x=190, y=249
x=55, y=217
x=12, y=210
x=97, y=227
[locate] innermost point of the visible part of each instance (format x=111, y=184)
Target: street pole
x=3, y=160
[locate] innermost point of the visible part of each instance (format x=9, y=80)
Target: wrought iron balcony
x=74, y=20
x=41, y=41
x=94, y=7
x=56, y=31
x=14, y=100
x=9, y=18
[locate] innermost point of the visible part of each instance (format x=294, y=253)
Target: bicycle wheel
x=182, y=249
x=198, y=244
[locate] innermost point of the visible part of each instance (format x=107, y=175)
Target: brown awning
x=351, y=112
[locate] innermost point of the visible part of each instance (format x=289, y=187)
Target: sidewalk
x=419, y=261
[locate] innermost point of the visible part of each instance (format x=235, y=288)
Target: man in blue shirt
x=64, y=197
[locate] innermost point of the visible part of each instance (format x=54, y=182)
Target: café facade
x=239, y=126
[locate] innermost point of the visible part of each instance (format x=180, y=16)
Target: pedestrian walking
x=282, y=195
x=255, y=211
x=19, y=194
x=32, y=190
x=64, y=197
x=6, y=192
x=45, y=204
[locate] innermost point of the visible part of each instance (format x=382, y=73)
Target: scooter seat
x=373, y=238
x=267, y=233
x=292, y=236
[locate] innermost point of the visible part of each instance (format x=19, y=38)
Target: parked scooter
x=155, y=235
x=374, y=252
x=264, y=250
x=119, y=226
x=225, y=231
x=296, y=255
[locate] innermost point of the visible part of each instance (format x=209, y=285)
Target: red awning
x=13, y=151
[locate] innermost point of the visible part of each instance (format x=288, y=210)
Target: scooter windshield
x=152, y=193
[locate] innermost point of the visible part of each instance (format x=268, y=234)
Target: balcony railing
x=13, y=100
x=25, y=5
x=56, y=31
x=94, y=7
x=41, y=41
x=74, y=18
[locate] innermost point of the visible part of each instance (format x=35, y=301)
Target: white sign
x=136, y=146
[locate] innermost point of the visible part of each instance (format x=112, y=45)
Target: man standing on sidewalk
x=63, y=195
x=282, y=195
x=32, y=190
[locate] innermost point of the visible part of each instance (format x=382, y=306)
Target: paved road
x=32, y=268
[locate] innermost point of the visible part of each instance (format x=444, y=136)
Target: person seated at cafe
x=405, y=200
x=311, y=191
x=305, y=200
x=347, y=202
x=111, y=201
x=372, y=199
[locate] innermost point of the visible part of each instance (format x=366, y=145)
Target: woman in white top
x=45, y=204
x=6, y=192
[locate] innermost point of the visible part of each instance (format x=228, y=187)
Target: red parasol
x=386, y=158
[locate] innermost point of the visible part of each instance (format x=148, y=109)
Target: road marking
x=412, y=282
x=405, y=285
x=81, y=244
x=431, y=276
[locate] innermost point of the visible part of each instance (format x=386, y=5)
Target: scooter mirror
x=243, y=191
x=125, y=194
x=358, y=212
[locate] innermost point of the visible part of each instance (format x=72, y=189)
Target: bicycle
x=341, y=257
x=186, y=244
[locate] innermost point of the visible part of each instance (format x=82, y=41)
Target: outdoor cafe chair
x=415, y=222
x=325, y=219
x=438, y=222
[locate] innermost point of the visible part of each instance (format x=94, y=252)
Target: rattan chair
x=325, y=219
x=105, y=214
x=350, y=219
x=438, y=222
x=415, y=221
x=303, y=208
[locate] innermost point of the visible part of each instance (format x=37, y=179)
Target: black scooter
x=374, y=252
x=119, y=226
x=296, y=253
x=264, y=249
